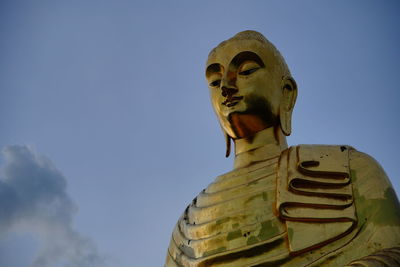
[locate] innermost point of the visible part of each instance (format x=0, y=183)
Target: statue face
x=244, y=87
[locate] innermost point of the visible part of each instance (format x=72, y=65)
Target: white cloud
x=33, y=199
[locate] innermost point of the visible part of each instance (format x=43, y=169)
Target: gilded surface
x=314, y=195
x=307, y=205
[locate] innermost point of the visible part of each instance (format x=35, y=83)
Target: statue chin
x=248, y=124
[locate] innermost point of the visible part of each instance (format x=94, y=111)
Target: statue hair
x=283, y=69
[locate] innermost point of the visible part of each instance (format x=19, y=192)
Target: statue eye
x=215, y=83
x=249, y=71
x=248, y=67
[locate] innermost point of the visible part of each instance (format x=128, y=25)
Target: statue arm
x=375, y=198
x=378, y=213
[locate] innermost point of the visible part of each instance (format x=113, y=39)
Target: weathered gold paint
x=308, y=205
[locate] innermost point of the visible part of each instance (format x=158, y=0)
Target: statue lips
x=232, y=101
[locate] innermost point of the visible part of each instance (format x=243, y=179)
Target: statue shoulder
x=365, y=167
x=336, y=157
x=375, y=197
x=373, y=194
x=358, y=210
x=368, y=179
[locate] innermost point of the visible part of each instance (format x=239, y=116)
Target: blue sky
x=106, y=127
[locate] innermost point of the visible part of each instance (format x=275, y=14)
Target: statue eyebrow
x=213, y=68
x=246, y=56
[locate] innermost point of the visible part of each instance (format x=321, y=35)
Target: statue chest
x=235, y=215
x=269, y=212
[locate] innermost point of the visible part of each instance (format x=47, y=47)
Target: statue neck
x=265, y=144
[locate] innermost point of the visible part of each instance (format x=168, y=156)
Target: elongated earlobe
x=289, y=95
x=228, y=145
x=286, y=123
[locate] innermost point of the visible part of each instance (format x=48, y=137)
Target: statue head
x=251, y=88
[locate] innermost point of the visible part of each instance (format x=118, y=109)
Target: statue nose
x=228, y=91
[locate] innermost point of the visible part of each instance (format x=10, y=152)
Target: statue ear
x=289, y=95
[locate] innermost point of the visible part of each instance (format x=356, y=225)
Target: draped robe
x=312, y=205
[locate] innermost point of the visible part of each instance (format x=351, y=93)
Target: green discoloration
x=236, y=225
x=382, y=211
x=290, y=233
x=234, y=235
x=223, y=220
x=265, y=196
x=267, y=230
x=353, y=174
x=252, y=240
x=188, y=251
x=214, y=251
x=356, y=195
x=388, y=211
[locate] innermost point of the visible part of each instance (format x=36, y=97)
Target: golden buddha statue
x=306, y=205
